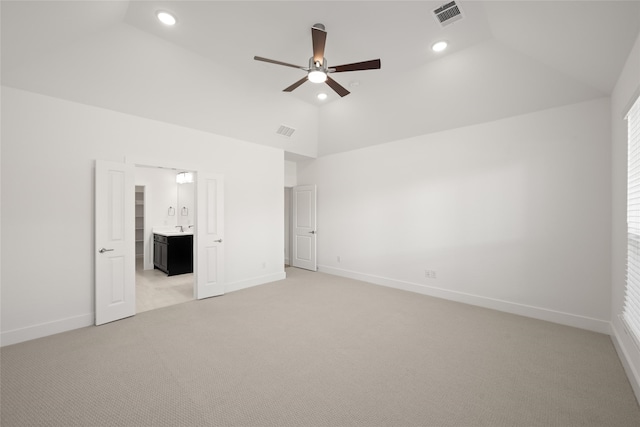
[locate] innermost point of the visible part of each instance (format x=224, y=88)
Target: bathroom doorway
x=164, y=204
x=115, y=284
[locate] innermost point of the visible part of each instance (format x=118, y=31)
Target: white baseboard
x=623, y=354
x=57, y=326
x=596, y=325
x=255, y=281
x=45, y=329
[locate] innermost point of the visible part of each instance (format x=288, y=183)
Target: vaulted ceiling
x=504, y=58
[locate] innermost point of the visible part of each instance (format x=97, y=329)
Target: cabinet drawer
x=159, y=238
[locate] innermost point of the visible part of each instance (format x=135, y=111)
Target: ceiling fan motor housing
x=313, y=66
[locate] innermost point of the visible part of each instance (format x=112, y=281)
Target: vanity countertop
x=174, y=233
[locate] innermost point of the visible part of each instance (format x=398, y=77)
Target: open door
x=209, y=235
x=304, y=227
x=115, y=286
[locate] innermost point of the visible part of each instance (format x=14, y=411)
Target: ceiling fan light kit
x=318, y=70
x=317, y=76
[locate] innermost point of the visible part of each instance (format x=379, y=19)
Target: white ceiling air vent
x=285, y=131
x=448, y=13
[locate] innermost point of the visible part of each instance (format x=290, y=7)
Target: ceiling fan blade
x=318, y=37
x=337, y=87
x=273, y=61
x=295, y=85
x=374, y=64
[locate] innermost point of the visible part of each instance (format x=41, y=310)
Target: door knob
x=218, y=241
x=103, y=250
x=313, y=232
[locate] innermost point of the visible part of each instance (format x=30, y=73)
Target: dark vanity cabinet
x=173, y=254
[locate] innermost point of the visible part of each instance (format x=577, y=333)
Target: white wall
x=49, y=147
x=627, y=88
x=186, y=199
x=512, y=214
x=290, y=174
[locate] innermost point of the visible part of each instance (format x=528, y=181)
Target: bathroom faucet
x=180, y=227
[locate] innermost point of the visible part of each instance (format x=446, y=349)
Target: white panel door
x=304, y=227
x=114, y=242
x=209, y=235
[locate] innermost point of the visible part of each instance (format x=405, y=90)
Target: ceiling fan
x=318, y=71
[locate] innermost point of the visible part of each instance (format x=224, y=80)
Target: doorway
x=300, y=227
x=114, y=221
x=162, y=205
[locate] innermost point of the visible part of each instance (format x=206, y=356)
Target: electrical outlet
x=430, y=274
x=338, y=258
x=264, y=265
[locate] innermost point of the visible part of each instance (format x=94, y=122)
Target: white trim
x=568, y=319
x=27, y=333
x=623, y=354
x=157, y=163
x=631, y=306
x=57, y=326
x=255, y=281
x=626, y=326
x=629, y=105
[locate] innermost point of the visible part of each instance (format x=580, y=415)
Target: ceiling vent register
x=285, y=131
x=448, y=13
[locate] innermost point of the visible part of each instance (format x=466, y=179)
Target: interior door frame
x=288, y=224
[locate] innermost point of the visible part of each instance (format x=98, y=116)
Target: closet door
x=304, y=227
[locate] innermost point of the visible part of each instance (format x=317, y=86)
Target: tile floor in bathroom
x=154, y=289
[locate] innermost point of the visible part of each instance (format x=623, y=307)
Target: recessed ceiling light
x=322, y=96
x=166, y=18
x=439, y=46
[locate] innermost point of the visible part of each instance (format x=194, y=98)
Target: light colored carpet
x=318, y=350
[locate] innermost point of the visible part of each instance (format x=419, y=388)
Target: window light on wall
x=631, y=309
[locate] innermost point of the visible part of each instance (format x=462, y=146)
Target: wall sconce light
x=184, y=178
